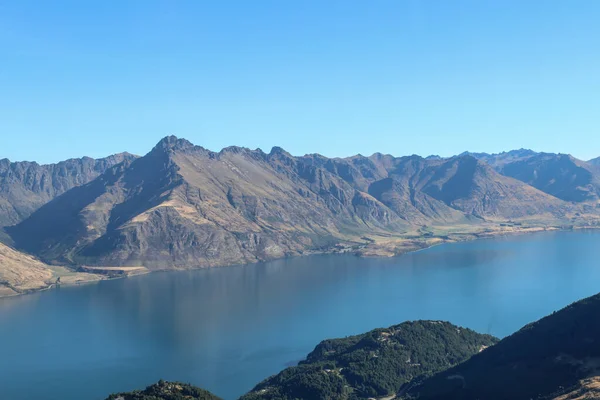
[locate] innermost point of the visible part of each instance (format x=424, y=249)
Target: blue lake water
x=225, y=329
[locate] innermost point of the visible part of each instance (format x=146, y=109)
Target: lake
x=225, y=329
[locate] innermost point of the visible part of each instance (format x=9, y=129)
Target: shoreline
x=356, y=251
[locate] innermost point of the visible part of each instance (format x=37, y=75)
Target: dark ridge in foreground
x=373, y=364
x=166, y=391
x=557, y=357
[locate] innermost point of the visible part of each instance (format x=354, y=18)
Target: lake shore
x=378, y=247
x=264, y=315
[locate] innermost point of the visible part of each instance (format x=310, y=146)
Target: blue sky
x=331, y=77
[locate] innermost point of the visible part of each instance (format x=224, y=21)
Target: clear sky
x=312, y=76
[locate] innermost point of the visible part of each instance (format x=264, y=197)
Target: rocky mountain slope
x=498, y=160
x=557, y=357
x=560, y=175
x=182, y=206
x=374, y=364
x=595, y=161
x=26, y=186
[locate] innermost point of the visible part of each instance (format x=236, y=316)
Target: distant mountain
x=183, y=206
x=595, y=161
x=559, y=175
x=373, y=364
x=166, y=391
x=26, y=186
x=498, y=160
x=556, y=357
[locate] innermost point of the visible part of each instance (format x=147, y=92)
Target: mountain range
x=26, y=186
x=183, y=206
x=560, y=175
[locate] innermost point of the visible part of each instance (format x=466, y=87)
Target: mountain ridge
x=546, y=359
x=183, y=206
x=25, y=186
x=560, y=175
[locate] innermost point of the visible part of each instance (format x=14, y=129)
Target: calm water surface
x=226, y=329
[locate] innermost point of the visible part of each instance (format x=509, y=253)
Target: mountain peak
x=172, y=142
x=278, y=150
x=234, y=149
x=466, y=156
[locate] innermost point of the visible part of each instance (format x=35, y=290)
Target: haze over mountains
x=183, y=206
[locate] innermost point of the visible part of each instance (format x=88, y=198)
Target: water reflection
x=226, y=329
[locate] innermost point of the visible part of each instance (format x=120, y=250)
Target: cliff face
x=182, y=206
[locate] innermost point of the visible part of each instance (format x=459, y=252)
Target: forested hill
x=374, y=364
x=166, y=391
x=557, y=357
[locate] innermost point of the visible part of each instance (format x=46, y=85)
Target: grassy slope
x=22, y=273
